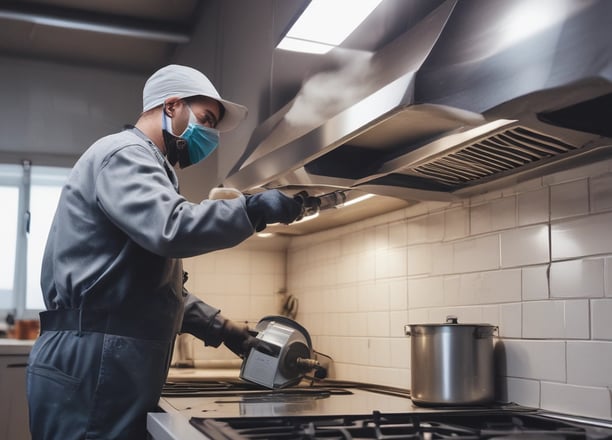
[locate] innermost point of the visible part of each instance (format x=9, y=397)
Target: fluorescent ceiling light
x=327, y=22
x=357, y=200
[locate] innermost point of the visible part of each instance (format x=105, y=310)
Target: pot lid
x=451, y=321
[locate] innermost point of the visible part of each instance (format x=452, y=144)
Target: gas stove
x=483, y=425
x=233, y=409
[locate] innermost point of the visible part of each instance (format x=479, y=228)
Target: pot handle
x=407, y=331
x=485, y=331
x=452, y=319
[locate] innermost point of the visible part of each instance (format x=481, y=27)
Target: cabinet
x=13, y=401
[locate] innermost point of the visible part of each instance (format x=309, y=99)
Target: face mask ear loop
x=165, y=118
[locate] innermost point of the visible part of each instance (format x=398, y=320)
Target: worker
x=112, y=278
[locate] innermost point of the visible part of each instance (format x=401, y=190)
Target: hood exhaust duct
x=449, y=109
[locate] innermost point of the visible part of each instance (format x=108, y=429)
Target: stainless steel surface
x=295, y=401
x=452, y=364
x=469, y=99
x=227, y=408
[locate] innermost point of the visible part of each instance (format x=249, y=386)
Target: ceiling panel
x=135, y=35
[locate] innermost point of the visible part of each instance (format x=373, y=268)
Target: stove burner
x=494, y=425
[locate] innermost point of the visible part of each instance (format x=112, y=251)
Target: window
x=29, y=196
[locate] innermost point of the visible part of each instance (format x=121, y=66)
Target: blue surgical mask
x=201, y=140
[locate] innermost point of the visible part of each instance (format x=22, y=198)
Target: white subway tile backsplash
x=452, y=290
x=347, y=268
x=400, y=352
x=456, y=223
x=419, y=259
x=503, y=213
x=366, y=266
x=379, y=352
x=577, y=400
x=601, y=193
x=535, y=359
x=398, y=294
x=569, y=199
x=391, y=263
x=397, y=321
x=491, y=315
x=533, y=207
x=601, y=319
x=582, y=237
x=535, y=282
x=589, y=363
x=524, y=246
x=510, y=320
x=426, y=229
x=480, y=219
x=382, y=237
x=442, y=257
x=523, y=392
x=418, y=316
x=608, y=276
x=476, y=254
x=577, y=278
x=485, y=262
x=378, y=324
x=398, y=234
x=556, y=319
x=490, y=287
x=425, y=292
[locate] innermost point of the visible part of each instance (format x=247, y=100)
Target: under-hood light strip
x=356, y=200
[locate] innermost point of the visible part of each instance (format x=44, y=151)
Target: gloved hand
x=238, y=337
x=272, y=206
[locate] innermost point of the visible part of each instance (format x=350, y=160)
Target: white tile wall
x=601, y=313
x=529, y=359
x=580, y=237
x=533, y=207
x=572, y=399
x=577, y=278
x=569, y=199
x=534, y=259
x=244, y=284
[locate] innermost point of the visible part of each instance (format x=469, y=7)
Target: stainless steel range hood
x=449, y=109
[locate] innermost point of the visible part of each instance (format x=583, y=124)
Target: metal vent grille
x=507, y=150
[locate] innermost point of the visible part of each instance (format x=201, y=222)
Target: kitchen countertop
x=171, y=426
x=10, y=347
x=187, y=374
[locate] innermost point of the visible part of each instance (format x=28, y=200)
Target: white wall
x=243, y=282
x=535, y=259
x=52, y=112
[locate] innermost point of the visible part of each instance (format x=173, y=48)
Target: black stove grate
x=429, y=426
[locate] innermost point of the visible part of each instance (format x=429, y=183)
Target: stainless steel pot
x=452, y=363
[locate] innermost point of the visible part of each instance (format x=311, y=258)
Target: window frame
x=24, y=177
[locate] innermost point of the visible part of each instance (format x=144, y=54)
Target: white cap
x=183, y=82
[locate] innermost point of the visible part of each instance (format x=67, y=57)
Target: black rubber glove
x=238, y=337
x=272, y=206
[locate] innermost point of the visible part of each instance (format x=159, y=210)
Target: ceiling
x=134, y=35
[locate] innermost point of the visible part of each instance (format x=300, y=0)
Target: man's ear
x=169, y=105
